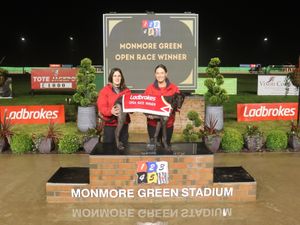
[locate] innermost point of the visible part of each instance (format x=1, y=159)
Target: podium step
x=231, y=174
x=71, y=175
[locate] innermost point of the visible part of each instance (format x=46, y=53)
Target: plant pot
x=89, y=145
x=86, y=118
x=254, y=143
x=214, y=113
x=46, y=145
x=294, y=142
x=3, y=144
x=212, y=142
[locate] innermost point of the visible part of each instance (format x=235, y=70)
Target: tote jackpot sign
x=137, y=43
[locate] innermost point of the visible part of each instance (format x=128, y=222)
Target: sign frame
x=182, y=63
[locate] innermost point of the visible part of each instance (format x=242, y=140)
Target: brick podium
x=114, y=177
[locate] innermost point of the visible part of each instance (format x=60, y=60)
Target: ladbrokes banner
x=53, y=79
x=267, y=111
x=150, y=104
x=37, y=114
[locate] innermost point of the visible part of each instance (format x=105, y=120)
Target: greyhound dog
x=121, y=118
x=176, y=102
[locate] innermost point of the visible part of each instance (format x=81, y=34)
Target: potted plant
x=47, y=142
x=294, y=137
x=210, y=135
x=276, y=140
x=5, y=132
x=232, y=140
x=86, y=95
x=190, y=133
x=253, y=138
x=68, y=144
x=21, y=143
x=93, y=137
x=215, y=96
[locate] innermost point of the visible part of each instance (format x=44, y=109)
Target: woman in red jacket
x=161, y=87
x=106, y=106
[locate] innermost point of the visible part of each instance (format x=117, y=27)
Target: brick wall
x=119, y=172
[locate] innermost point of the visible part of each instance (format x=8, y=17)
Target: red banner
x=267, y=111
x=35, y=114
x=53, y=79
x=150, y=104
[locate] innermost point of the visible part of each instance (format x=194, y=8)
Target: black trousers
x=151, y=132
x=109, y=134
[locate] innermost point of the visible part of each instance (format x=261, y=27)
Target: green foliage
x=21, y=143
x=215, y=95
x=69, y=144
x=232, y=140
x=86, y=93
x=3, y=72
x=252, y=130
x=276, y=140
x=190, y=133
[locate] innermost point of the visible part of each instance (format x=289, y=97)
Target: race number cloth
x=152, y=172
x=150, y=104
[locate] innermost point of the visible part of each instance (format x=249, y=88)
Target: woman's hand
x=115, y=110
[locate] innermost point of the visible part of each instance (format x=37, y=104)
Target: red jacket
x=106, y=100
x=169, y=90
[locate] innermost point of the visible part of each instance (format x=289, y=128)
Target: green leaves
x=86, y=93
x=190, y=133
x=215, y=95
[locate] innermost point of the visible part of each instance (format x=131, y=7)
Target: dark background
x=243, y=25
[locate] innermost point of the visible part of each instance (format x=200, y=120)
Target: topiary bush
x=86, y=93
x=70, y=143
x=21, y=143
x=232, y=140
x=190, y=133
x=277, y=140
x=215, y=95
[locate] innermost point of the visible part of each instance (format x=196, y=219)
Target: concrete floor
x=23, y=200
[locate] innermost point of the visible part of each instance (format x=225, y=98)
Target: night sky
x=48, y=25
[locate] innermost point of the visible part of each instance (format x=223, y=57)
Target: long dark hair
x=161, y=66
x=166, y=71
x=110, y=77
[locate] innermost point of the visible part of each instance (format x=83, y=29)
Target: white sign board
x=273, y=85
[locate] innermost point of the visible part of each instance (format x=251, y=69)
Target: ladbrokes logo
x=41, y=114
x=267, y=111
x=34, y=114
x=263, y=112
